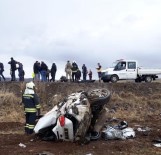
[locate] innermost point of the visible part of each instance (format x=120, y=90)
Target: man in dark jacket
x=31, y=107
x=1, y=71
x=53, y=71
x=78, y=75
x=36, y=69
x=43, y=71
x=84, y=71
x=74, y=71
x=13, y=69
x=21, y=72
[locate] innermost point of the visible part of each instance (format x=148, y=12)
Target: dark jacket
x=36, y=68
x=53, y=68
x=44, y=66
x=74, y=67
x=78, y=74
x=31, y=102
x=84, y=69
x=1, y=67
x=13, y=64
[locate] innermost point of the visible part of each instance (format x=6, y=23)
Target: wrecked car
x=73, y=118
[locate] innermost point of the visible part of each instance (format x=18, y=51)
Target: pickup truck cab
x=129, y=70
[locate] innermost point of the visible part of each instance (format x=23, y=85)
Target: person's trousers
x=30, y=122
x=13, y=76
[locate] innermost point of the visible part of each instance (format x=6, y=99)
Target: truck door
x=120, y=70
x=131, y=70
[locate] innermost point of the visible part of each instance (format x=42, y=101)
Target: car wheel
x=114, y=78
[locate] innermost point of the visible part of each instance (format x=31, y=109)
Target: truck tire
x=148, y=79
x=114, y=78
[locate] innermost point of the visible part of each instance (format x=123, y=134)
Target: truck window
x=131, y=65
x=120, y=66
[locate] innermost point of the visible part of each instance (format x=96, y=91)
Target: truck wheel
x=114, y=78
x=148, y=79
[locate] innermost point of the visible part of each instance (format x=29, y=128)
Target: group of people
x=73, y=72
x=41, y=71
x=21, y=72
x=15, y=65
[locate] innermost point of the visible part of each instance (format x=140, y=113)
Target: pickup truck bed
x=147, y=71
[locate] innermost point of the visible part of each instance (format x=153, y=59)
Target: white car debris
x=70, y=120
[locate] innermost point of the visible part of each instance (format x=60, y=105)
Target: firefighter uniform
x=31, y=107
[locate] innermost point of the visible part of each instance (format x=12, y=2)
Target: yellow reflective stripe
x=31, y=126
x=38, y=106
x=27, y=95
x=30, y=109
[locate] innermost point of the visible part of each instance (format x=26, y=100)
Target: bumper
x=66, y=132
x=106, y=77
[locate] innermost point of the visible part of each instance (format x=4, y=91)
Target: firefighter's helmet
x=30, y=85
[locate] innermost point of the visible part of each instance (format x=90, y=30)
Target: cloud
x=85, y=31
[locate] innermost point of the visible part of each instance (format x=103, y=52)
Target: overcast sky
x=87, y=31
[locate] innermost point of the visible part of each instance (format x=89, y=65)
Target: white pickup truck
x=129, y=70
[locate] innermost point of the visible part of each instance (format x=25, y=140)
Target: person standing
x=31, y=107
x=99, y=69
x=84, y=71
x=36, y=71
x=53, y=71
x=68, y=70
x=74, y=71
x=1, y=71
x=21, y=72
x=48, y=75
x=78, y=75
x=90, y=74
x=43, y=71
x=13, y=69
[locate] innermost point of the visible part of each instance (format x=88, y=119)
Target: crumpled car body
x=71, y=119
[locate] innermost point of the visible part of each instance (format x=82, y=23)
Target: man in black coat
x=13, y=69
x=53, y=71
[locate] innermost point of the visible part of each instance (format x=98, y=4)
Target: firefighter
x=31, y=107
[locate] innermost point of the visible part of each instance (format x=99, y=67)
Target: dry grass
x=125, y=105
x=11, y=110
x=132, y=107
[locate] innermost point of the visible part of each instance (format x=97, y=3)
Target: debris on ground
x=157, y=145
x=120, y=131
x=144, y=130
x=22, y=145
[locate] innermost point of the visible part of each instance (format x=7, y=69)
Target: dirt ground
x=12, y=133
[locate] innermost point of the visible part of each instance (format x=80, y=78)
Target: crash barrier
x=74, y=118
